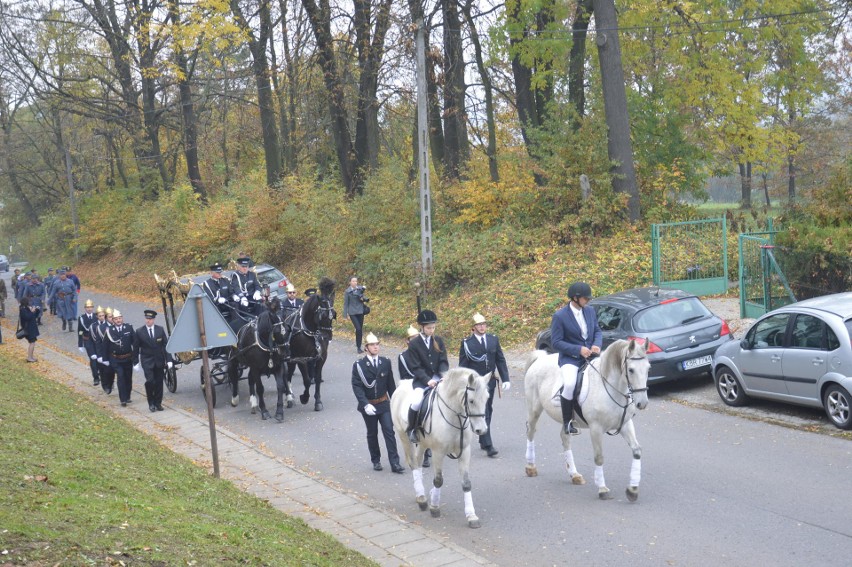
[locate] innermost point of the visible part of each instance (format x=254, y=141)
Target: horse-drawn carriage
x=266, y=342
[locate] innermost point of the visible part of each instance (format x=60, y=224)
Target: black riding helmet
x=579, y=289
x=426, y=317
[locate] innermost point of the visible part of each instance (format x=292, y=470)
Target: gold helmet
x=100, y=310
x=371, y=339
x=89, y=303
x=108, y=311
x=411, y=332
x=478, y=319
x=116, y=313
x=291, y=288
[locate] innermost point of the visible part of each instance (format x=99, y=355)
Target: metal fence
x=692, y=256
x=763, y=285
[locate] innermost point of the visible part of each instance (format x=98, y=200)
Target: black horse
x=261, y=347
x=310, y=332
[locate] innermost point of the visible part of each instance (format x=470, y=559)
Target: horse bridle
x=628, y=397
x=463, y=418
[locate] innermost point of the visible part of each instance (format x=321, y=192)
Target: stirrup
x=413, y=437
x=570, y=429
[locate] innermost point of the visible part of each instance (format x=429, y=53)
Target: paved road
x=716, y=487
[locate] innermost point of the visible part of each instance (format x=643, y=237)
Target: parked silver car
x=800, y=354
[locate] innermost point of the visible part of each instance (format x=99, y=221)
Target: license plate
x=696, y=362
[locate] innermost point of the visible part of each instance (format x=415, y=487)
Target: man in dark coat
x=105, y=323
x=482, y=353
x=373, y=385
x=86, y=324
x=122, y=337
x=218, y=289
x=245, y=287
x=149, y=354
x=64, y=292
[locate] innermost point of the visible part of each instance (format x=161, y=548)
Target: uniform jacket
x=244, y=285
x=85, y=326
x=216, y=288
x=98, y=337
x=371, y=382
x=427, y=362
x=35, y=291
x=567, y=338
x=121, y=341
x=65, y=293
x=404, y=365
x=151, y=353
x=483, y=360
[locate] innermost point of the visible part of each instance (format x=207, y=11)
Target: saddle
x=578, y=387
x=425, y=408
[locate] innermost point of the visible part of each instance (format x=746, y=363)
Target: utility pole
x=73, y=203
x=423, y=154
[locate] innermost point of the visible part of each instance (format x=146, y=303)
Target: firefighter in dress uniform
x=481, y=352
x=373, y=385
x=105, y=322
x=122, y=340
x=86, y=324
x=245, y=288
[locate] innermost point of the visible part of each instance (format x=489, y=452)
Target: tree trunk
x=320, y=19
x=260, y=67
x=8, y=168
x=287, y=96
x=577, y=62
x=745, y=185
x=619, y=146
x=491, y=150
x=190, y=125
x=436, y=125
x=791, y=165
x=455, y=117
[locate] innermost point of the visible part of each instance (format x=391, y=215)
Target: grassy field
x=81, y=487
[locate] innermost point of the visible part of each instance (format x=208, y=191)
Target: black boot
x=412, y=426
x=568, y=416
x=64, y=323
x=70, y=326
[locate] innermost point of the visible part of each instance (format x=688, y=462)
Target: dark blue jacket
x=566, y=337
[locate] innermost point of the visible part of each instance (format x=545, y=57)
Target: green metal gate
x=763, y=286
x=692, y=256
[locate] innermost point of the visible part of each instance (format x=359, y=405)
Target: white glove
x=101, y=360
x=82, y=350
x=236, y=298
x=507, y=386
x=94, y=357
x=370, y=409
x=244, y=302
x=106, y=362
x=138, y=367
x=169, y=364
x=221, y=300
x=256, y=296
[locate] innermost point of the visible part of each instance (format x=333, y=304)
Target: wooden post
x=208, y=393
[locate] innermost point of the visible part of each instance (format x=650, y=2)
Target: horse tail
x=534, y=355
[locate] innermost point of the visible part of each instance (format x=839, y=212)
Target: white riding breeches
x=569, y=380
x=418, y=399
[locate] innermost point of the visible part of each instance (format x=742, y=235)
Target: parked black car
x=683, y=333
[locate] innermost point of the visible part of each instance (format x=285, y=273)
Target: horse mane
x=326, y=286
x=613, y=357
x=457, y=377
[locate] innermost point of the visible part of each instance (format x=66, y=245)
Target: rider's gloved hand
x=370, y=409
x=256, y=296
x=221, y=300
x=236, y=298
x=169, y=364
x=244, y=302
x=506, y=386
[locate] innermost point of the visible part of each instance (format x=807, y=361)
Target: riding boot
x=70, y=326
x=568, y=417
x=412, y=426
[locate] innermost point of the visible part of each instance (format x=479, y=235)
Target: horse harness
x=609, y=388
x=463, y=419
x=271, y=348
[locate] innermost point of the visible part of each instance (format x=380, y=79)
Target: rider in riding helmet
x=576, y=336
x=429, y=363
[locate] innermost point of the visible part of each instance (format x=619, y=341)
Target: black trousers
x=154, y=378
x=386, y=421
x=485, y=440
x=107, y=377
x=358, y=323
x=89, y=345
x=124, y=374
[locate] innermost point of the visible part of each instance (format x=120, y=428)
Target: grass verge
x=81, y=487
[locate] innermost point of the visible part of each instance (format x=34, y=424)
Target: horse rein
x=463, y=419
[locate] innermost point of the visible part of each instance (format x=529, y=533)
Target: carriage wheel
x=171, y=379
x=212, y=389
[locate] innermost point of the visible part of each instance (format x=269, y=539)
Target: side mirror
x=745, y=345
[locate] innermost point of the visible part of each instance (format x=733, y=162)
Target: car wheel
x=729, y=388
x=838, y=406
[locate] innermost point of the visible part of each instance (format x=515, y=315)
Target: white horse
x=457, y=414
x=614, y=389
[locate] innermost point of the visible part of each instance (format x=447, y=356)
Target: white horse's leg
x=437, y=482
x=597, y=445
x=435, y=501
x=534, y=410
x=467, y=488
x=576, y=477
x=629, y=434
x=419, y=489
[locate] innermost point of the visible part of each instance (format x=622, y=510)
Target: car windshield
x=269, y=276
x=670, y=314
